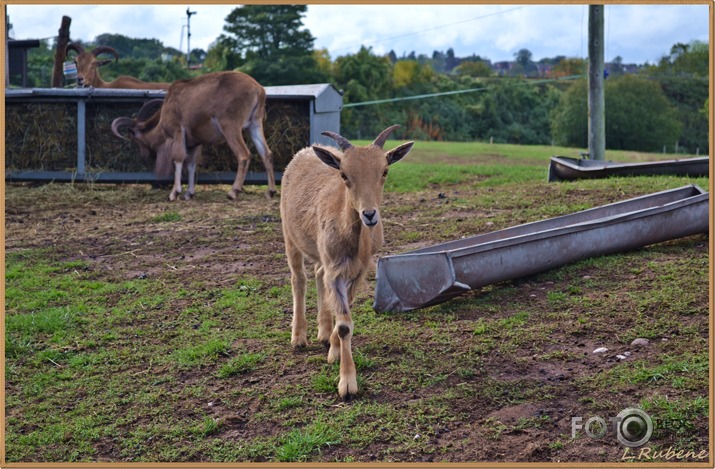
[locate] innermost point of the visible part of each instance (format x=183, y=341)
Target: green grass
x=191, y=360
x=243, y=363
x=300, y=444
x=167, y=217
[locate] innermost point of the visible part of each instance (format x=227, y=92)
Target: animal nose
x=369, y=214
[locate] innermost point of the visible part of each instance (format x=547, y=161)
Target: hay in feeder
x=43, y=137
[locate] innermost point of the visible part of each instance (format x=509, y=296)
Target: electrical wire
x=448, y=93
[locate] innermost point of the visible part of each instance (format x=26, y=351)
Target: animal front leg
x=341, y=341
x=347, y=386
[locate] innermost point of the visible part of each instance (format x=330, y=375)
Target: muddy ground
x=450, y=390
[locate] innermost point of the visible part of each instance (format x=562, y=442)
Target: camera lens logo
x=633, y=427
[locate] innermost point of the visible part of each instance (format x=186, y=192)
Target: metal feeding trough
x=564, y=168
x=435, y=274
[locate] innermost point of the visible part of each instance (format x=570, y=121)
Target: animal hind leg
x=255, y=129
x=192, y=157
x=240, y=150
x=176, y=190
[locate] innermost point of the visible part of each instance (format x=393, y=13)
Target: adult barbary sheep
x=88, y=70
x=208, y=109
x=330, y=209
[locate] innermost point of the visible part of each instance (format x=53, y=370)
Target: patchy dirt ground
x=496, y=375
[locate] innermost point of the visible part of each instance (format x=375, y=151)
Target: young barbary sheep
x=330, y=211
x=208, y=109
x=88, y=70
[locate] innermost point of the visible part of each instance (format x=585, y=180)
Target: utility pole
x=596, y=101
x=188, y=35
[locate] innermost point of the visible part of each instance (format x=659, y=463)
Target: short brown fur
x=88, y=70
x=208, y=109
x=330, y=212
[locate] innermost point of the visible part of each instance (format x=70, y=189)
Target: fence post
x=81, y=134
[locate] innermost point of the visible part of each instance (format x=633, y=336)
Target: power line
x=448, y=93
x=429, y=29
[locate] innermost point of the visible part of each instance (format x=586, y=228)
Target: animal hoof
x=188, y=196
x=299, y=342
x=271, y=193
x=326, y=343
x=172, y=196
x=347, y=388
x=231, y=195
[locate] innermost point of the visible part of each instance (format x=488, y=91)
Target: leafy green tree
x=524, y=65
x=40, y=62
x=363, y=76
x=272, y=45
x=684, y=60
x=410, y=73
x=638, y=115
x=569, y=120
x=474, y=69
x=568, y=67
x=131, y=48
x=514, y=111
x=683, y=75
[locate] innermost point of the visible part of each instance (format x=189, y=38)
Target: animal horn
x=73, y=47
x=149, y=109
x=342, y=141
x=118, y=124
x=105, y=50
x=380, y=140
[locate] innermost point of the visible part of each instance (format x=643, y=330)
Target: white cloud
x=637, y=33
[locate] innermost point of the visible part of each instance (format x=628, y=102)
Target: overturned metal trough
x=564, y=168
x=435, y=274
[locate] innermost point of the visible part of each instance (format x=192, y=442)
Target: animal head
x=88, y=63
x=363, y=171
x=135, y=129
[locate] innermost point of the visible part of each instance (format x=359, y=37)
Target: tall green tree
x=683, y=75
x=514, y=111
x=271, y=45
x=363, y=76
x=638, y=116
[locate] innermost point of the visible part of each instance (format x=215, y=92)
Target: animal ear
x=397, y=153
x=327, y=157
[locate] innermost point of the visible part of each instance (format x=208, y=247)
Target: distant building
x=502, y=68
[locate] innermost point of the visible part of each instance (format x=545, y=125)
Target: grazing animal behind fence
x=88, y=64
x=330, y=209
x=208, y=109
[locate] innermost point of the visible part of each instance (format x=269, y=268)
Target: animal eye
x=342, y=175
x=384, y=174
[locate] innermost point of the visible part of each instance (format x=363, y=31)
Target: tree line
x=468, y=98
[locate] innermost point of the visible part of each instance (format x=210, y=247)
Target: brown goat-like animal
x=208, y=109
x=88, y=65
x=330, y=212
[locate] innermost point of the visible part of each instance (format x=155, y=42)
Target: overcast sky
x=637, y=33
